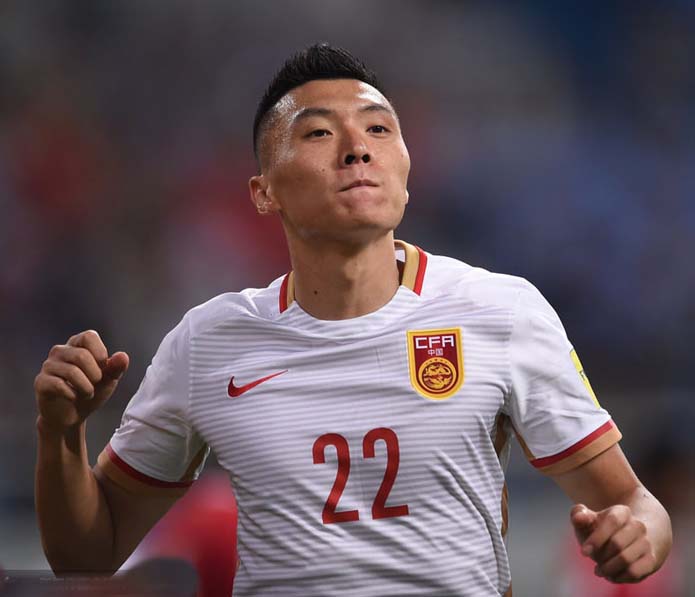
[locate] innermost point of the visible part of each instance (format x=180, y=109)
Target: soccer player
x=362, y=404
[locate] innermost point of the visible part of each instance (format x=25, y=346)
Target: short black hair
x=319, y=61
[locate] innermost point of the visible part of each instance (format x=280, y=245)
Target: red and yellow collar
x=412, y=274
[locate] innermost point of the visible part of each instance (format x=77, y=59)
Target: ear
x=259, y=191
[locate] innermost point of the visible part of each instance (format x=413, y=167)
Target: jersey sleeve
x=155, y=448
x=557, y=418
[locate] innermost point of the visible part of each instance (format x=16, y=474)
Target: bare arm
x=619, y=524
x=74, y=518
x=87, y=523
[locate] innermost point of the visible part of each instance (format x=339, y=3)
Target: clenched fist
x=616, y=540
x=76, y=379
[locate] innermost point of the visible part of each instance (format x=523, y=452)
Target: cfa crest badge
x=435, y=360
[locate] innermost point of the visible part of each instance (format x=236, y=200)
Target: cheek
x=402, y=165
x=304, y=178
x=299, y=186
x=405, y=156
x=299, y=166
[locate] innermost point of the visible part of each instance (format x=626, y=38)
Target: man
x=361, y=404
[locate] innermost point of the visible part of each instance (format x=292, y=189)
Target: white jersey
x=367, y=455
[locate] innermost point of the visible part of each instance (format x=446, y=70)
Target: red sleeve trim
x=135, y=474
x=420, y=276
x=549, y=460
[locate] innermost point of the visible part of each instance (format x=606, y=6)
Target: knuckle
x=614, y=544
x=624, y=512
x=95, y=348
x=78, y=391
x=650, y=560
x=622, y=560
x=92, y=339
x=618, y=514
x=68, y=388
x=82, y=358
x=77, y=377
x=38, y=382
x=56, y=349
x=57, y=385
x=64, y=390
x=78, y=356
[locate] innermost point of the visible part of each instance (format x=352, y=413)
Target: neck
x=338, y=282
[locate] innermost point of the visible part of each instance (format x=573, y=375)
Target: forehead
x=335, y=94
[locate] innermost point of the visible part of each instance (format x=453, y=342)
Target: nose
x=351, y=158
x=355, y=149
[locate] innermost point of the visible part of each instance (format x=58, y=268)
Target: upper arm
x=133, y=513
x=603, y=481
x=556, y=416
x=155, y=454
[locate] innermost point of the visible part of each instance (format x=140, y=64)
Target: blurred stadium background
x=551, y=140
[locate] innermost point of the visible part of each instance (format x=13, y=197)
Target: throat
x=332, y=286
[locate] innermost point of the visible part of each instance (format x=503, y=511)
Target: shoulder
x=449, y=277
x=230, y=307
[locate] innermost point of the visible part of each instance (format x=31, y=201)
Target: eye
x=319, y=133
x=378, y=128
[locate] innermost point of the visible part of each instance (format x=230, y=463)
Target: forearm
x=73, y=515
x=618, y=523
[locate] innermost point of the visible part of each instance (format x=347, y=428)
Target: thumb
x=114, y=368
x=116, y=365
x=583, y=520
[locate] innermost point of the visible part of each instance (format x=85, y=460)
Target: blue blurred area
x=555, y=141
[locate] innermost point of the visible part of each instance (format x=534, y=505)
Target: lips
x=362, y=182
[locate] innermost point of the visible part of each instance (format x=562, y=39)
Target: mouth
x=362, y=182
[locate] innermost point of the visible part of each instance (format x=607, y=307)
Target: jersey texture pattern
x=367, y=455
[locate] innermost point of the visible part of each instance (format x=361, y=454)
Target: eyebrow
x=309, y=112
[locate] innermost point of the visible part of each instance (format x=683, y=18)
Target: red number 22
x=379, y=507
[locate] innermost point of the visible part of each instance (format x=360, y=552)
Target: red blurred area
x=201, y=529
x=579, y=579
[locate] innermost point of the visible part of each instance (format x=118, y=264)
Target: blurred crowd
x=555, y=141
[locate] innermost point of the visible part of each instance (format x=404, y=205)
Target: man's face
x=334, y=163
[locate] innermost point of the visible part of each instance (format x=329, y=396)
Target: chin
x=360, y=230
x=355, y=224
